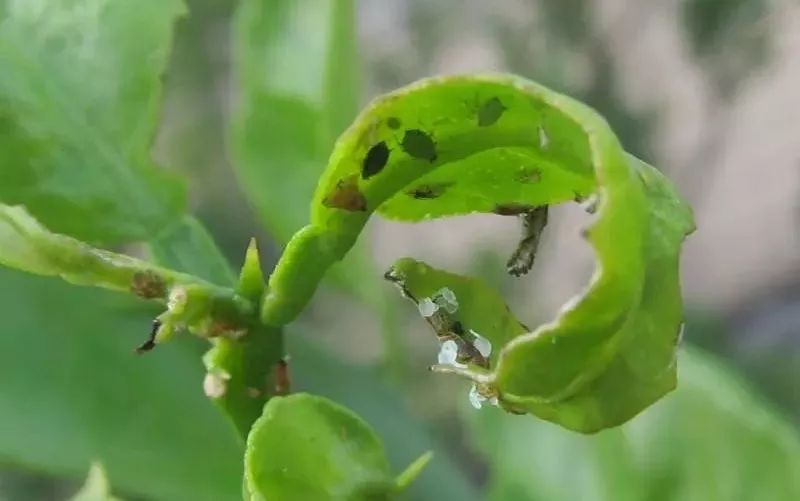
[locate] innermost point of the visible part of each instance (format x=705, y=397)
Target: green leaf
x=74, y=392
x=501, y=144
x=308, y=447
x=298, y=73
x=713, y=439
x=96, y=487
x=79, y=92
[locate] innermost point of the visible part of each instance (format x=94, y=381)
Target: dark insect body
x=150, y=343
x=533, y=223
x=419, y=144
x=428, y=191
x=490, y=112
x=375, y=161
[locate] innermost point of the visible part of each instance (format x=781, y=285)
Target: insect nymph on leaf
x=419, y=144
x=490, y=112
x=533, y=223
x=375, y=160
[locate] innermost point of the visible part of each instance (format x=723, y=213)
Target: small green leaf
x=308, y=447
x=96, y=487
x=79, y=94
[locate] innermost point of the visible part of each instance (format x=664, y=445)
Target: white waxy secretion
x=448, y=354
x=483, y=345
x=446, y=299
x=475, y=398
x=214, y=385
x=427, y=307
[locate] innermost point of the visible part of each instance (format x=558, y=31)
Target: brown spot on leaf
x=346, y=196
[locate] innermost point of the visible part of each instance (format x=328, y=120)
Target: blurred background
x=707, y=90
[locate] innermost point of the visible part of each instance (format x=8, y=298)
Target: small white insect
x=475, y=398
x=427, y=307
x=448, y=354
x=483, y=345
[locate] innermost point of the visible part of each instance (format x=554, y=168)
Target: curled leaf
x=504, y=145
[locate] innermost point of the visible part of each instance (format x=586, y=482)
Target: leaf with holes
x=504, y=145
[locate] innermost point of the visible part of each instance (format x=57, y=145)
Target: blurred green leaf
x=79, y=96
x=730, y=38
x=189, y=248
x=74, y=392
x=297, y=69
x=308, y=447
x=713, y=439
x=97, y=487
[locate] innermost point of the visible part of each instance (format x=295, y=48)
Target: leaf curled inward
x=610, y=351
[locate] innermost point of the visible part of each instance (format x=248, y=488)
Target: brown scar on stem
x=282, y=381
x=147, y=284
x=346, y=196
